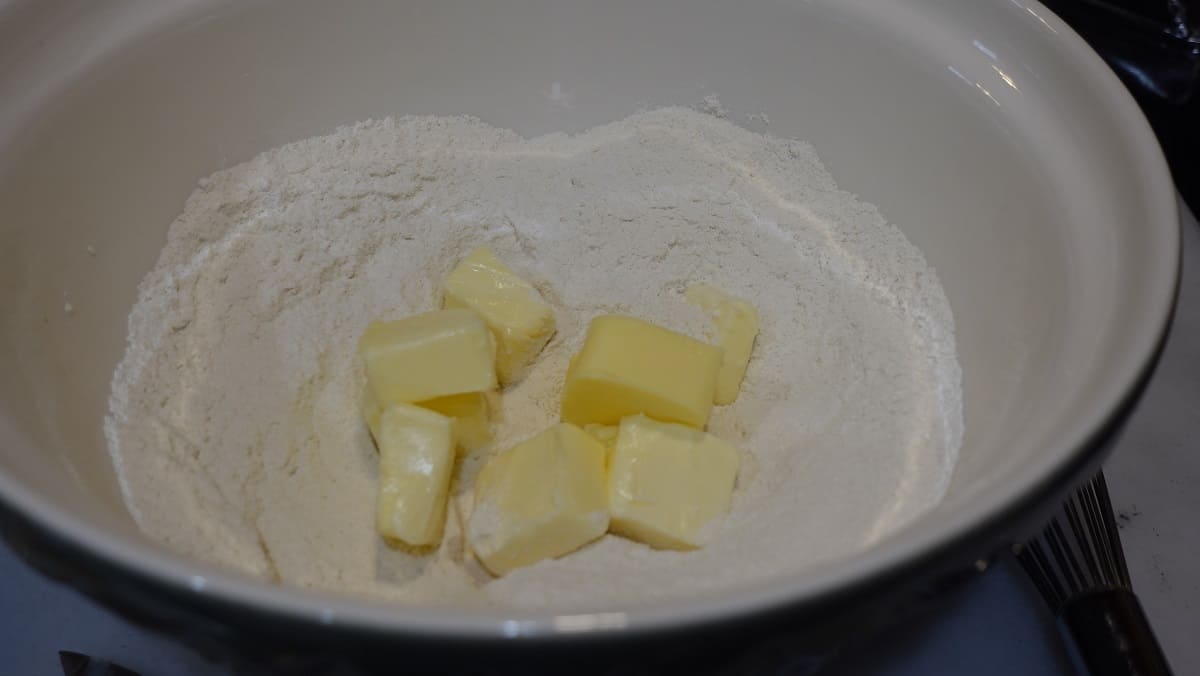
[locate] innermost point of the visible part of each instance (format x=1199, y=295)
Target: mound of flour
x=234, y=424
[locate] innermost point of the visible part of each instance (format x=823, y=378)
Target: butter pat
x=629, y=366
x=371, y=411
x=472, y=418
x=512, y=308
x=416, y=456
x=470, y=411
x=737, y=327
x=429, y=355
x=667, y=483
x=606, y=435
x=541, y=499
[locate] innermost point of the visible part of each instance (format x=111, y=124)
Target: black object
x=1154, y=46
x=78, y=664
x=1078, y=566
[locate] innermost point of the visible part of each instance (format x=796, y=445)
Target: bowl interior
x=982, y=129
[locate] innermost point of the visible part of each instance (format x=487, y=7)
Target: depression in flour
x=234, y=421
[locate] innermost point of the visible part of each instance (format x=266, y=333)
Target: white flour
x=234, y=423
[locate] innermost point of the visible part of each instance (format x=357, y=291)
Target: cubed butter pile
x=630, y=456
x=429, y=377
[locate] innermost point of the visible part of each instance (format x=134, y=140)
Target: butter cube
x=429, y=355
x=472, y=420
x=416, y=456
x=737, y=327
x=629, y=366
x=606, y=435
x=512, y=308
x=470, y=411
x=667, y=483
x=371, y=411
x=541, y=499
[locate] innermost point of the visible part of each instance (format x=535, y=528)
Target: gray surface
x=994, y=625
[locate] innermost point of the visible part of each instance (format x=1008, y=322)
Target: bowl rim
x=963, y=534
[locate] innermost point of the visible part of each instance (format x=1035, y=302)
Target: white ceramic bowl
x=986, y=130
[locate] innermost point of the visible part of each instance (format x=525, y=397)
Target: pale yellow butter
x=606, y=435
x=371, y=411
x=541, y=499
x=416, y=456
x=520, y=319
x=472, y=417
x=737, y=327
x=629, y=366
x=470, y=411
x=668, y=483
x=429, y=355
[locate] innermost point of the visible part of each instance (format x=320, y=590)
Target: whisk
x=1079, y=568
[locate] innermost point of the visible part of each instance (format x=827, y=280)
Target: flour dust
x=234, y=422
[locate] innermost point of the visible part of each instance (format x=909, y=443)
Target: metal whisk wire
x=1079, y=568
x=1084, y=555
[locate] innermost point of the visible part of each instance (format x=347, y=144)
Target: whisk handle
x=1109, y=635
